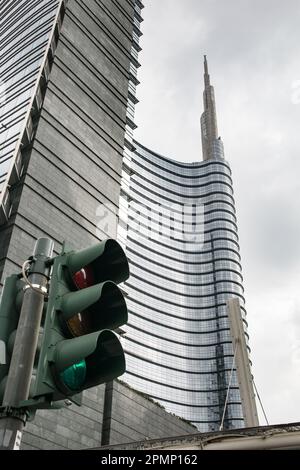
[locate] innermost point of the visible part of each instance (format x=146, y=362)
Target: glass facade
x=178, y=225
x=25, y=29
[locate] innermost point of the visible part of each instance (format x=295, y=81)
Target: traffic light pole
x=14, y=418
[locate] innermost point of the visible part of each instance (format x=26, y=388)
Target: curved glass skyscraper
x=179, y=228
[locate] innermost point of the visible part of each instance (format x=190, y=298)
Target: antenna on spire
x=205, y=65
x=206, y=74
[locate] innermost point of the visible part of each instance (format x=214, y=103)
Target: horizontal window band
x=168, y=302
x=138, y=158
x=18, y=66
x=173, y=328
x=181, y=164
x=173, y=355
x=164, y=183
x=158, y=218
x=16, y=120
x=162, y=200
x=226, y=420
x=185, y=294
x=33, y=62
x=188, y=405
x=158, y=209
x=21, y=13
x=11, y=90
x=150, y=335
x=28, y=23
x=143, y=258
x=173, y=341
x=157, y=284
x=174, y=234
x=162, y=212
x=191, y=284
x=179, y=175
x=178, y=195
x=27, y=44
x=21, y=107
x=183, y=371
x=135, y=242
x=200, y=309
x=217, y=390
x=19, y=93
x=7, y=143
x=178, y=250
x=142, y=196
x=38, y=32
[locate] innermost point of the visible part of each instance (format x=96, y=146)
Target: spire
x=212, y=146
x=206, y=74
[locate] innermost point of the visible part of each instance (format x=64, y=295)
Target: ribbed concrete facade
x=74, y=163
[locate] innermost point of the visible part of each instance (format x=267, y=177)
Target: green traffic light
x=74, y=377
x=78, y=348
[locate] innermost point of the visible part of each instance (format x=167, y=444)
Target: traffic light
x=10, y=306
x=78, y=349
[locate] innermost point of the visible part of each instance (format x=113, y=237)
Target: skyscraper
x=179, y=227
x=68, y=77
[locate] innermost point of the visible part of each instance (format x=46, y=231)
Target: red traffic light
x=84, y=278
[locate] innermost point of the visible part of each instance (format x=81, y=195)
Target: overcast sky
x=254, y=63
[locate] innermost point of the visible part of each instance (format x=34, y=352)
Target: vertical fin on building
x=212, y=146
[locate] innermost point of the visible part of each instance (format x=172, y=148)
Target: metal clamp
x=36, y=287
x=43, y=290
x=14, y=412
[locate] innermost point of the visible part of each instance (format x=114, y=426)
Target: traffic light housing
x=10, y=305
x=78, y=349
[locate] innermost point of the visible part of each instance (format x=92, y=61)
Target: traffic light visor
x=101, y=262
x=89, y=360
x=94, y=308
